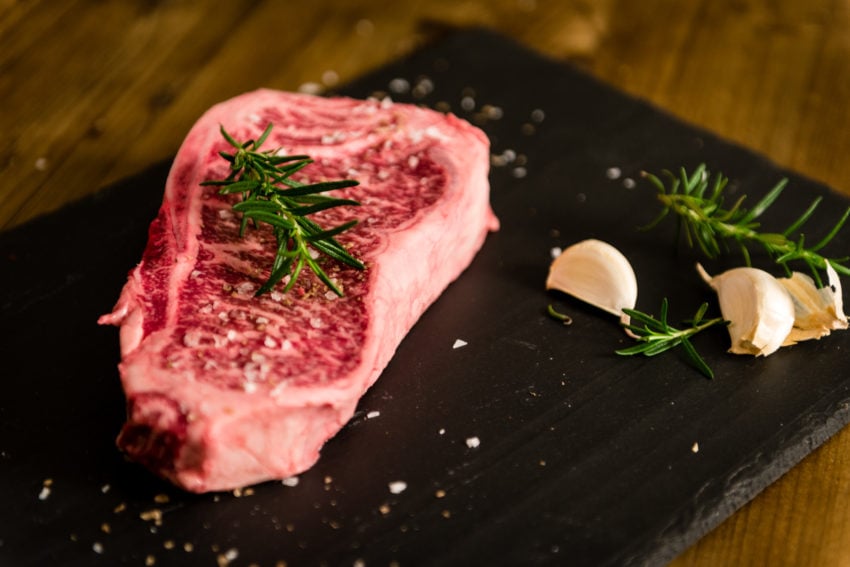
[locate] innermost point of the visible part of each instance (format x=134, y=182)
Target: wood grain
x=95, y=91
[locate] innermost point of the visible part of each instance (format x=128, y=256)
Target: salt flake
x=459, y=343
x=613, y=173
x=311, y=88
x=399, y=85
x=473, y=442
x=397, y=487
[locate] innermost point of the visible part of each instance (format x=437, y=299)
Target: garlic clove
x=817, y=311
x=759, y=309
x=597, y=273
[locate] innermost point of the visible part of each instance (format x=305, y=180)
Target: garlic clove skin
x=817, y=311
x=759, y=309
x=597, y=273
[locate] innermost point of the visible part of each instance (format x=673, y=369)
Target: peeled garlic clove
x=596, y=273
x=759, y=309
x=817, y=311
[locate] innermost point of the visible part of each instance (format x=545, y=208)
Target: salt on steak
x=225, y=389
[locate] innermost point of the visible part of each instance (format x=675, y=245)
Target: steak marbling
x=225, y=389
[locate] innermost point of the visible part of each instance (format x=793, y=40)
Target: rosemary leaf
x=655, y=335
x=709, y=226
x=271, y=196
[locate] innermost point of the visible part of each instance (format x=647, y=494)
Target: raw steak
x=225, y=389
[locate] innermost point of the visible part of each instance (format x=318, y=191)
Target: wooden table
x=95, y=91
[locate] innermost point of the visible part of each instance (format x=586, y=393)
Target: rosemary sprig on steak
x=271, y=196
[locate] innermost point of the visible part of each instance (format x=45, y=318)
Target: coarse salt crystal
x=386, y=102
x=245, y=287
x=269, y=342
x=399, y=85
x=250, y=387
x=310, y=88
x=537, y=115
x=467, y=103
x=262, y=320
x=330, y=77
x=251, y=371
x=276, y=296
x=413, y=161
x=629, y=183
x=436, y=133
x=45, y=493
x=290, y=481
x=397, y=487
x=695, y=448
x=613, y=173
x=473, y=442
x=442, y=431
x=555, y=252
x=97, y=547
x=330, y=295
x=316, y=323
x=459, y=343
x=520, y=172
x=334, y=137
x=231, y=335
x=373, y=414
x=191, y=339
x=286, y=345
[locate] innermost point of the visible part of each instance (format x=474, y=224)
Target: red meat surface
x=225, y=389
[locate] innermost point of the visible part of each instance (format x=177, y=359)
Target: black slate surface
x=585, y=458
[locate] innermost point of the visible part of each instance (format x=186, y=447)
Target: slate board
x=585, y=458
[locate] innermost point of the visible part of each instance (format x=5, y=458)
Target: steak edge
x=225, y=389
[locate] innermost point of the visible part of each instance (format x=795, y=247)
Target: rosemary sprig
x=698, y=201
x=271, y=196
x=655, y=336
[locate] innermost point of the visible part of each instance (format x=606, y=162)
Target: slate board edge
x=740, y=490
